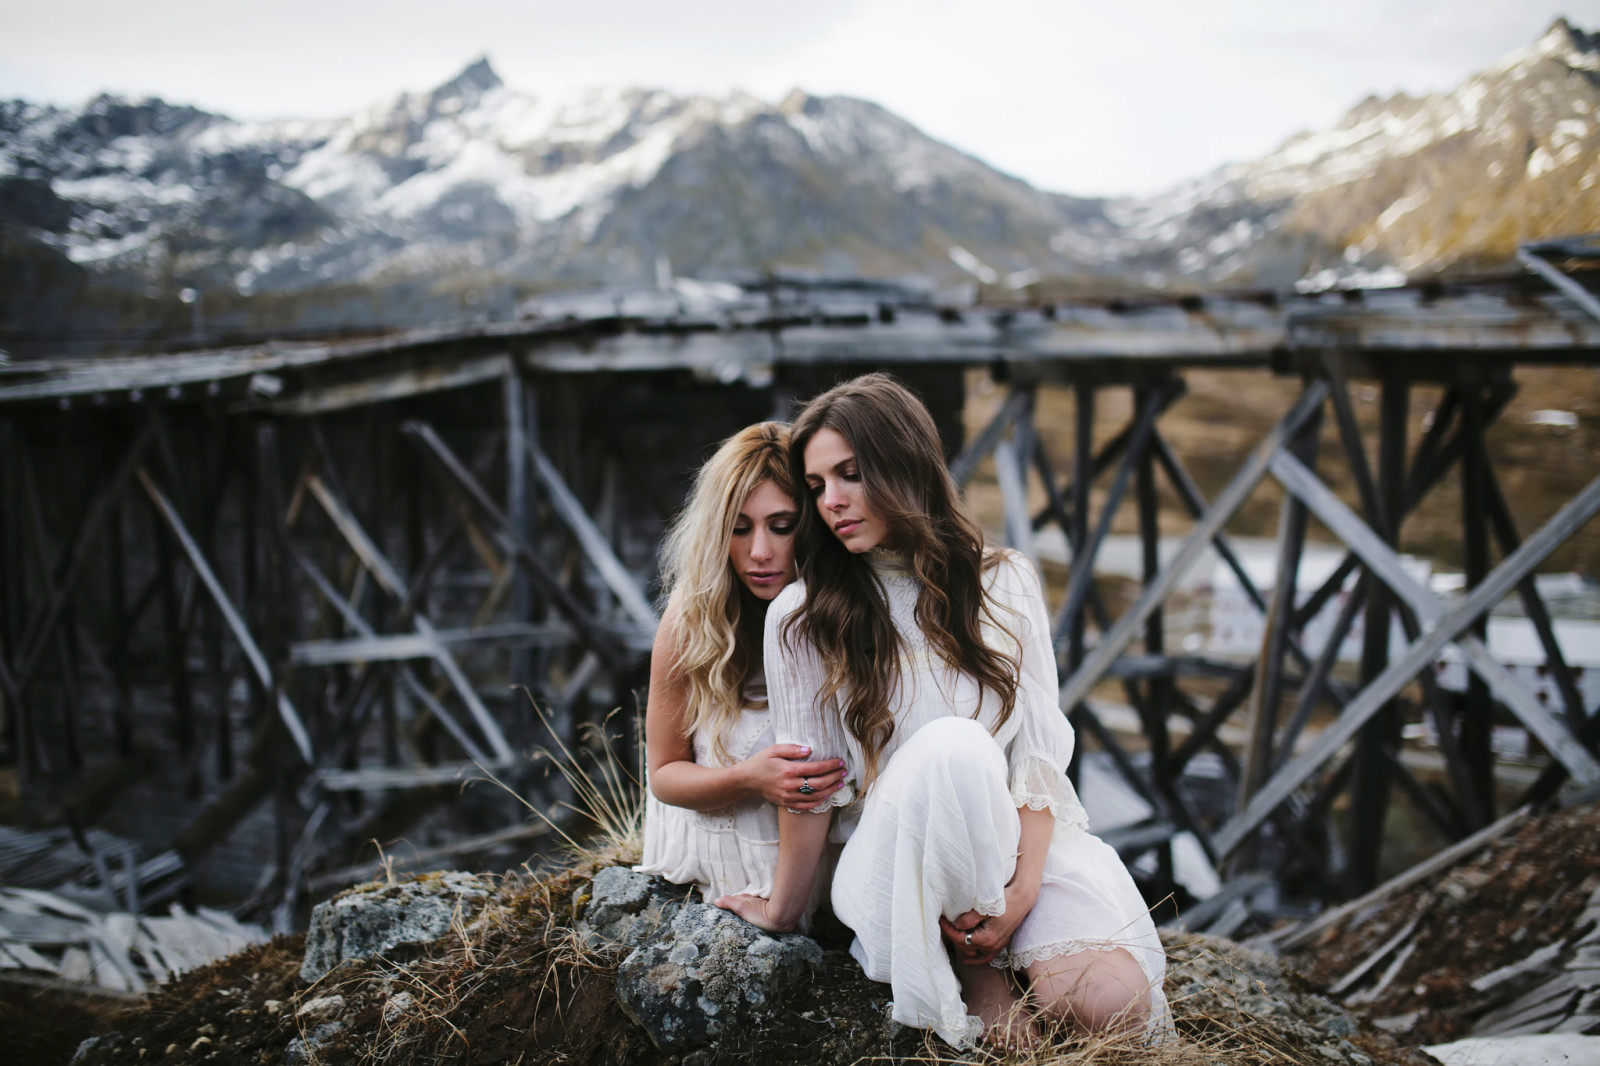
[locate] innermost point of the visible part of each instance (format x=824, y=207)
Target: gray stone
x=625, y=907
x=708, y=974
x=302, y=1050
x=372, y=919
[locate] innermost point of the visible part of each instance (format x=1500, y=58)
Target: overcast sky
x=1078, y=96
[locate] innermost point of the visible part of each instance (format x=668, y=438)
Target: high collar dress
x=937, y=831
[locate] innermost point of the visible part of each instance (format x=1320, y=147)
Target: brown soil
x=1521, y=893
x=517, y=988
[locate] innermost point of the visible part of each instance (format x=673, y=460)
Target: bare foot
x=989, y=994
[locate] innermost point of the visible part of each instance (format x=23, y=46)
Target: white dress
x=938, y=832
x=729, y=851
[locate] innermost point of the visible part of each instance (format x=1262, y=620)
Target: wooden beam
x=403, y=646
x=230, y=615
x=1381, y=560
x=1417, y=655
x=595, y=546
x=382, y=569
x=396, y=385
x=1112, y=644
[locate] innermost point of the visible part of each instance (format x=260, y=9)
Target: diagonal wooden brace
x=1501, y=580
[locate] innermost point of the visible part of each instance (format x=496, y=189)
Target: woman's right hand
x=777, y=776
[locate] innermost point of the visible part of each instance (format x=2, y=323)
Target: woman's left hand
x=754, y=910
x=990, y=934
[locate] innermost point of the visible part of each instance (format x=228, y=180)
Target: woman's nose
x=832, y=498
x=761, y=545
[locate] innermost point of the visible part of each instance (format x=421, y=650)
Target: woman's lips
x=764, y=577
x=847, y=527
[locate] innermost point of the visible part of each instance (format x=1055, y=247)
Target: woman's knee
x=1094, y=990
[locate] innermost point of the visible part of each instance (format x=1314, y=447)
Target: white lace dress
x=938, y=832
x=727, y=851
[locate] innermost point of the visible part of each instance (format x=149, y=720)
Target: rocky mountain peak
x=476, y=79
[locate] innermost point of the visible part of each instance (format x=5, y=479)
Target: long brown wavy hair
x=845, y=614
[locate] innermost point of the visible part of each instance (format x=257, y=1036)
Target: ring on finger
x=805, y=786
x=968, y=938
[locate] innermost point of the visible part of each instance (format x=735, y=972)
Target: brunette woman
x=926, y=662
x=714, y=771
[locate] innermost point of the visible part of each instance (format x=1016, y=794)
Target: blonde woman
x=715, y=774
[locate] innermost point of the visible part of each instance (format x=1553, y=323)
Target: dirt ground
x=518, y=988
x=1521, y=893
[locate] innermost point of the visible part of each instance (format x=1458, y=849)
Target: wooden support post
x=1270, y=686
x=1083, y=393
x=387, y=576
x=1011, y=471
x=966, y=462
x=241, y=632
x=1158, y=690
x=519, y=511
x=1477, y=710
x=1420, y=652
x=1112, y=644
x=1372, y=778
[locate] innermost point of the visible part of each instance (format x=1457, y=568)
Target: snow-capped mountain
x=477, y=177
x=476, y=180
x=1400, y=186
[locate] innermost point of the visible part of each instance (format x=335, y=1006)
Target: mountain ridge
x=475, y=179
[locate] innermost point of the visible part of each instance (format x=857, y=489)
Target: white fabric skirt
x=938, y=836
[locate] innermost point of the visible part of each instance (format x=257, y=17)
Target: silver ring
x=805, y=786
x=969, y=938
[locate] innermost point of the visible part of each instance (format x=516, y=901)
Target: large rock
x=709, y=974
x=373, y=919
x=625, y=907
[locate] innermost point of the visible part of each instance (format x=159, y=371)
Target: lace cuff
x=842, y=798
x=1039, y=785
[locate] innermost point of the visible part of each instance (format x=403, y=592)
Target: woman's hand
x=989, y=934
x=756, y=911
x=777, y=776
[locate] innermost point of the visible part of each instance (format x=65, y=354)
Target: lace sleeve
x=1039, y=754
x=794, y=679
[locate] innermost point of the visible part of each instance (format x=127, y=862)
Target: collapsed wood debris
x=45, y=933
x=1498, y=939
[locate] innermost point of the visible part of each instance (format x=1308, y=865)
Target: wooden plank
x=966, y=462
x=384, y=388
x=596, y=548
x=385, y=647
x=388, y=778
x=236, y=624
x=380, y=567
x=1550, y=730
x=1417, y=655
x=1112, y=644
x=1430, y=867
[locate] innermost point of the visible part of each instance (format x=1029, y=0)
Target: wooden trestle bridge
x=264, y=605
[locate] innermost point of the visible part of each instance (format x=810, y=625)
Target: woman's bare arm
x=801, y=838
x=772, y=774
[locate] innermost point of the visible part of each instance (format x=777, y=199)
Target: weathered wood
x=978, y=449
x=1385, y=564
x=1417, y=655
x=380, y=567
x=383, y=647
x=461, y=482
x=1112, y=644
x=241, y=632
x=595, y=547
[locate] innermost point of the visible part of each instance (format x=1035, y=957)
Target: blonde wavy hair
x=717, y=642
